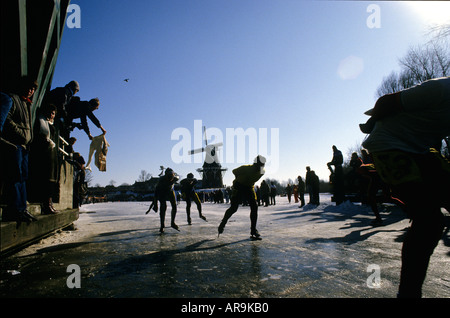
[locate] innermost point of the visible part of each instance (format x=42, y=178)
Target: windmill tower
x=211, y=171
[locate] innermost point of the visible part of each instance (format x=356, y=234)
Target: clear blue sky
x=307, y=68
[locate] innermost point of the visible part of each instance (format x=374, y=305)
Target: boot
x=27, y=215
x=52, y=207
x=172, y=220
x=46, y=208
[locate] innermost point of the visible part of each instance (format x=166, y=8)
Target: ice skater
x=164, y=192
x=243, y=190
x=406, y=130
x=188, y=193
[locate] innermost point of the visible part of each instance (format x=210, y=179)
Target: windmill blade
x=199, y=150
x=219, y=144
x=204, y=132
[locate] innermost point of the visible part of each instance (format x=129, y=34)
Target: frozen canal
x=323, y=251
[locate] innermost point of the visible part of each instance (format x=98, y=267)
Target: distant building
x=139, y=191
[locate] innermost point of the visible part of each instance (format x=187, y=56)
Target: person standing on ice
x=337, y=175
x=308, y=184
x=243, y=190
x=164, y=192
x=301, y=191
x=406, y=130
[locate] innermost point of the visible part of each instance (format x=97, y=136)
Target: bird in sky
x=126, y=80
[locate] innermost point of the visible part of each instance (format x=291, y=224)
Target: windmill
x=211, y=171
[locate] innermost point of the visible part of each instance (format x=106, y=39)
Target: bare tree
x=390, y=84
x=88, y=177
x=440, y=32
x=420, y=63
x=426, y=62
x=144, y=176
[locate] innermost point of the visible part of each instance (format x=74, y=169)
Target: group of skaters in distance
x=311, y=184
x=30, y=159
x=405, y=131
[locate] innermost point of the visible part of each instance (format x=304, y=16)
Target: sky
x=296, y=76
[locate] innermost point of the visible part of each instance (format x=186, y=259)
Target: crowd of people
x=30, y=158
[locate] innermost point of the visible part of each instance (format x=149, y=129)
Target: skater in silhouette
x=289, y=192
x=301, y=191
x=164, y=192
x=265, y=189
x=188, y=193
x=243, y=190
x=337, y=175
x=308, y=184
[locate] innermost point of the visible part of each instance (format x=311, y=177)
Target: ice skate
x=150, y=207
x=220, y=228
x=255, y=236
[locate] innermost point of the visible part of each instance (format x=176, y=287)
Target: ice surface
x=313, y=251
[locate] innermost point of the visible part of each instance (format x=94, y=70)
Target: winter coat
x=18, y=125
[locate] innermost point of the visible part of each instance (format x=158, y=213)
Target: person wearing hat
x=164, y=192
x=243, y=189
x=61, y=97
x=188, y=193
x=406, y=130
x=83, y=109
x=16, y=138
